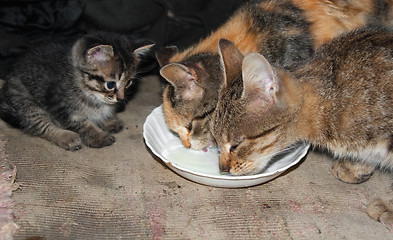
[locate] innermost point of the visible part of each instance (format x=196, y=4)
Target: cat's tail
x=8, y=113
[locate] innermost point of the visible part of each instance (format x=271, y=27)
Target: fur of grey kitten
x=341, y=100
x=67, y=92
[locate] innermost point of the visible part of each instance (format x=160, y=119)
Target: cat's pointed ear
x=184, y=78
x=99, y=54
x=142, y=51
x=164, y=54
x=231, y=60
x=260, y=83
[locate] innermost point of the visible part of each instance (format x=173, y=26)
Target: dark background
x=165, y=22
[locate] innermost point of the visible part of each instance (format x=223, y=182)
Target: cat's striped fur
x=285, y=31
x=67, y=91
x=341, y=100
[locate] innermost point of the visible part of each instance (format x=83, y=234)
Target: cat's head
x=190, y=95
x=254, y=113
x=108, y=64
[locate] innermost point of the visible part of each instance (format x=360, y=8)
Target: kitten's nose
x=120, y=95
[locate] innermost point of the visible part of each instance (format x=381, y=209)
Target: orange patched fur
x=327, y=19
x=286, y=32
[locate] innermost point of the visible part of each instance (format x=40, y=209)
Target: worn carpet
x=125, y=192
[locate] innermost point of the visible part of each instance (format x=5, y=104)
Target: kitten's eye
x=129, y=82
x=110, y=85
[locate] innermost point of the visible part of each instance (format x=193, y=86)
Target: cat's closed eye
x=233, y=148
x=189, y=127
x=236, y=143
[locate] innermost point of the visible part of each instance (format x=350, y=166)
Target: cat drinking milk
x=286, y=32
x=340, y=100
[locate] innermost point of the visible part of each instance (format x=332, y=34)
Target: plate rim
x=303, y=153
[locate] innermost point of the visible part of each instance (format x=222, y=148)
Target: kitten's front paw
x=113, y=126
x=352, y=172
x=99, y=140
x=69, y=141
x=380, y=211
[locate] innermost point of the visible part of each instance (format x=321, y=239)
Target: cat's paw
x=113, y=126
x=99, y=140
x=352, y=172
x=380, y=211
x=69, y=141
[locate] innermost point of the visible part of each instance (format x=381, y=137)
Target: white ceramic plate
x=202, y=167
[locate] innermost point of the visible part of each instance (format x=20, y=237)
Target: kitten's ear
x=99, y=54
x=260, y=83
x=165, y=53
x=184, y=78
x=231, y=60
x=141, y=51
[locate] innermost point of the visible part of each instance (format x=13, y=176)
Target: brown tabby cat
x=285, y=31
x=341, y=100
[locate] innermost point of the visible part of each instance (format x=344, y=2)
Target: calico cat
x=286, y=32
x=341, y=100
x=67, y=92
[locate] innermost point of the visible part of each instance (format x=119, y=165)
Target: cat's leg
x=36, y=122
x=380, y=211
x=352, y=172
x=112, y=125
x=93, y=136
x=43, y=127
x=63, y=138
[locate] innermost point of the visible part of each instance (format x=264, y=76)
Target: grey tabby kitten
x=67, y=92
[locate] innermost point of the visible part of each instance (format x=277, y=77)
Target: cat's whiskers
x=263, y=162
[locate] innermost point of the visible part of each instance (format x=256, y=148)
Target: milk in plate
x=198, y=161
